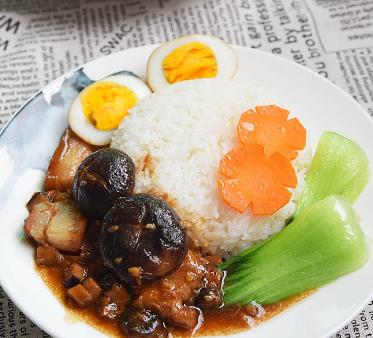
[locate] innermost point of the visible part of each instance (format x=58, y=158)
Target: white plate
x=30, y=138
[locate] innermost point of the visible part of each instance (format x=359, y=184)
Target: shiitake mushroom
x=142, y=323
x=102, y=177
x=142, y=239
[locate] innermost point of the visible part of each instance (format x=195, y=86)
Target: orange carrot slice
x=270, y=127
x=247, y=177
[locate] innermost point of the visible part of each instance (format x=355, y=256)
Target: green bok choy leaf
x=323, y=243
x=339, y=167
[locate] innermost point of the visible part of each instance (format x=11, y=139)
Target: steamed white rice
x=176, y=138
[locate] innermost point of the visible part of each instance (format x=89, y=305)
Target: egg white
x=83, y=127
x=226, y=57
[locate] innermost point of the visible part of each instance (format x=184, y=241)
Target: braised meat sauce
x=120, y=260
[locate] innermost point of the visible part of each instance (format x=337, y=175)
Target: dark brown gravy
x=226, y=320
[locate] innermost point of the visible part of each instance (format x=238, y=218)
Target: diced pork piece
x=66, y=159
x=92, y=287
x=49, y=256
x=39, y=197
x=40, y=216
x=167, y=296
x=114, y=301
x=80, y=295
x=42, y=209
x=74, y=274
x=65, y=230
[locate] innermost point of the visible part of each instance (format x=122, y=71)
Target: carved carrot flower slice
x=270, y=127
x=247, y=177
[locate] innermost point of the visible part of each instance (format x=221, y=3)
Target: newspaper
x=42, y=39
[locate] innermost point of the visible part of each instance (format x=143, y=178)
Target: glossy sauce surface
x=222, y=321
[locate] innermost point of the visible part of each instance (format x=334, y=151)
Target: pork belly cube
x=80, y=295
x=54, y=220
x=38, y=219
x=65, y=230
x=74, y=274
x=66, y=159
x=92, y=287
x=40, y=197
x=48, y=256
x=114, y=301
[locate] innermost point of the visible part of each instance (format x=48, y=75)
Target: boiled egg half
x=99, y=108
x=191, y=57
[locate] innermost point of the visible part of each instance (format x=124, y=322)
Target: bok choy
x=323, y=243
x=339, y=167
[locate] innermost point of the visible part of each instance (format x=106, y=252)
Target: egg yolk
x=193, y=60
x=105, y=104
